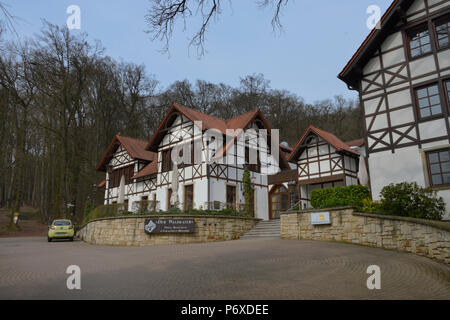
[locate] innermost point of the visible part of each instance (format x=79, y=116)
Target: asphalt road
x=270, y=268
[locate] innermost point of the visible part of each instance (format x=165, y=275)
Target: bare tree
x=62, y=100
x=163, y=15
x=6, y=19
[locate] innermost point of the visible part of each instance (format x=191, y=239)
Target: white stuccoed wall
x=404, y=165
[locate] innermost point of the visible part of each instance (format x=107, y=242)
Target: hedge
x=411, y=200
x=118, y=210
x=339, y=196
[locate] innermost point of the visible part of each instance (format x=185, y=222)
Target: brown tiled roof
x=242, y=120
x=208, y=122
x=134, y=147
x=327, y=136
x=149, y=169
x=356, y=143
x=102, y=184
x=287, y=148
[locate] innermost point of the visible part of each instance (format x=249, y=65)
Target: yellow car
x=60, y=229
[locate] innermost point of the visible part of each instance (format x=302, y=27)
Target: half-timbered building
x=123, y=159
x=402, y=74
x=203, y=181
x=321, y=161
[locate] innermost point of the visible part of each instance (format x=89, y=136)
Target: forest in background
x=62, y=99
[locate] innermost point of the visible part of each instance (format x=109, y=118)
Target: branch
x=8, y=20
x=276, y=22
x=162, y=16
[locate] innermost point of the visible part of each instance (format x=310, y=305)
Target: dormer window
x=419, y=42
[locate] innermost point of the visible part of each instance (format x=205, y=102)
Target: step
x=271, y=228
x=261, y=236
x=275, y=235
x=267, y=227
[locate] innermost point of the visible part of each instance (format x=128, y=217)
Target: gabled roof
x=356, y=143
x=208, y=122
x=242, y=120
x=134, y=147
x=352, y=71
x=285, y=148
x=149, y=169
x=337, y=143
x=102, y=183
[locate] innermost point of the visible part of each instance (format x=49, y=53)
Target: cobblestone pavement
x=270, y=268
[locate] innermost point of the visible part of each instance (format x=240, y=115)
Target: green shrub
x=370, y=206
x=411, y=200
x=248, y=193
x=222, y=212
x=339, y=196
x=116, y=210
x=88, y=208
x=108, y=210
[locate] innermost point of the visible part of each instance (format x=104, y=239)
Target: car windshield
x=61, y=223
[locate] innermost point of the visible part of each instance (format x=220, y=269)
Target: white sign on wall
x=320, y=218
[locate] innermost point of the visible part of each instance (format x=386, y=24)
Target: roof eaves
x=371, y=39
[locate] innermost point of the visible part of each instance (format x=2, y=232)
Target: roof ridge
x=197, y=111
x=128, y=137
x=242, y=114
x=327, y=136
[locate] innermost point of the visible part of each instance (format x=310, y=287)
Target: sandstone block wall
x=129, y=231
x=417, y=236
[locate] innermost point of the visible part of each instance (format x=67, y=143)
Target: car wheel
x=49, y=239
x=71, y=239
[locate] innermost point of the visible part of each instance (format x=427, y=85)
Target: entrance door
x=279, y=201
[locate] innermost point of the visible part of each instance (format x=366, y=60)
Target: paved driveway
x=269, y=268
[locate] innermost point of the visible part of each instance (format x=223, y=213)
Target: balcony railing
x=145, y=206
x=218, y=205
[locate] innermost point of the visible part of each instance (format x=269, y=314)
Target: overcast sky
x=318, y=39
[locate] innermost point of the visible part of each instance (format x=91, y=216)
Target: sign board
x=318, y=218
x=152, y=226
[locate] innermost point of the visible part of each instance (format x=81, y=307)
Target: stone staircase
x=269, y=228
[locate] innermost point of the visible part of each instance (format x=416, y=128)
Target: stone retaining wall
x=129, y=231
x=422, y=237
